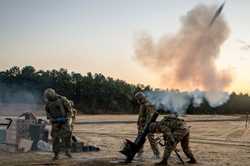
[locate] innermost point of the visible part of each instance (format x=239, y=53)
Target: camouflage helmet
x=140, y=97
x=49, y=94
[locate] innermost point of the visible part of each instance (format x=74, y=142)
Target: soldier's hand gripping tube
x=131, y=148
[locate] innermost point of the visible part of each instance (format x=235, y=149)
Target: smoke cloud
x=178, y=102
x=173, y=101
x=17, y=94
x=15, y=100
x=186, y=60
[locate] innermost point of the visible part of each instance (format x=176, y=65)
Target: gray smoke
x=178, y=102
x=16, y=94
x=17, y=99
x=186, y=60
x=216, y=99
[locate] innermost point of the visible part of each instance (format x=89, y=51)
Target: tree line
x=91, y=93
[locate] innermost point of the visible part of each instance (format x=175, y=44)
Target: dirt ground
x=214, y=143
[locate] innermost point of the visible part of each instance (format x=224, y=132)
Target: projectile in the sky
x=218, y=12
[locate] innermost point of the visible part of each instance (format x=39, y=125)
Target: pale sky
x=98, y=35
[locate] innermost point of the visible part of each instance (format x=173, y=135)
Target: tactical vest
x=144, y=114
x=56, y=109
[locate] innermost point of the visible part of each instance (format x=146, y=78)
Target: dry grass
x=218, y=143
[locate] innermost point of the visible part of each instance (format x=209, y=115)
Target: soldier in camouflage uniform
x=174, y=130
x=74, y=113
x=59, y=112
x=145, y=111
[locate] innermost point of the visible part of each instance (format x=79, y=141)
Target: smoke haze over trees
x=91, y=93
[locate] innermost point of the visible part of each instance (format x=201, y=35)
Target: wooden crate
x=18, y=129
x=8, y=147
x=11, y=136
x=22, y=128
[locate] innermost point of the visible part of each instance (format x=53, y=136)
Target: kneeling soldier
x=174, y=130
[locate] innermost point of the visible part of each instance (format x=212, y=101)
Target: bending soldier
x=174, y=130
x=145, y=111
x=59, y=112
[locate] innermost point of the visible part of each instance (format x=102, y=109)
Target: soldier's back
x=56, y=108
x=172, y=122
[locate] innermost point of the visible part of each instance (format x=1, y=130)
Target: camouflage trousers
x=181, y=135
x=152, y=142
x=61, y=137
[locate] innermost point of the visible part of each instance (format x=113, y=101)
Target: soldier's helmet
x=140, y=97
x=49, y=94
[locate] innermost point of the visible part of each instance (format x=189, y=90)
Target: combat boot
x=192, y=161
x=162, y=162
x=56, y=157
x=67, y=153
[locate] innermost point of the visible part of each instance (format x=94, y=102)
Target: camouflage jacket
x=173, y=123
x=60, y=108
x=145, y=112
x=173, y=128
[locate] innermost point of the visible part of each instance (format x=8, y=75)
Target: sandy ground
x=214, y=143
